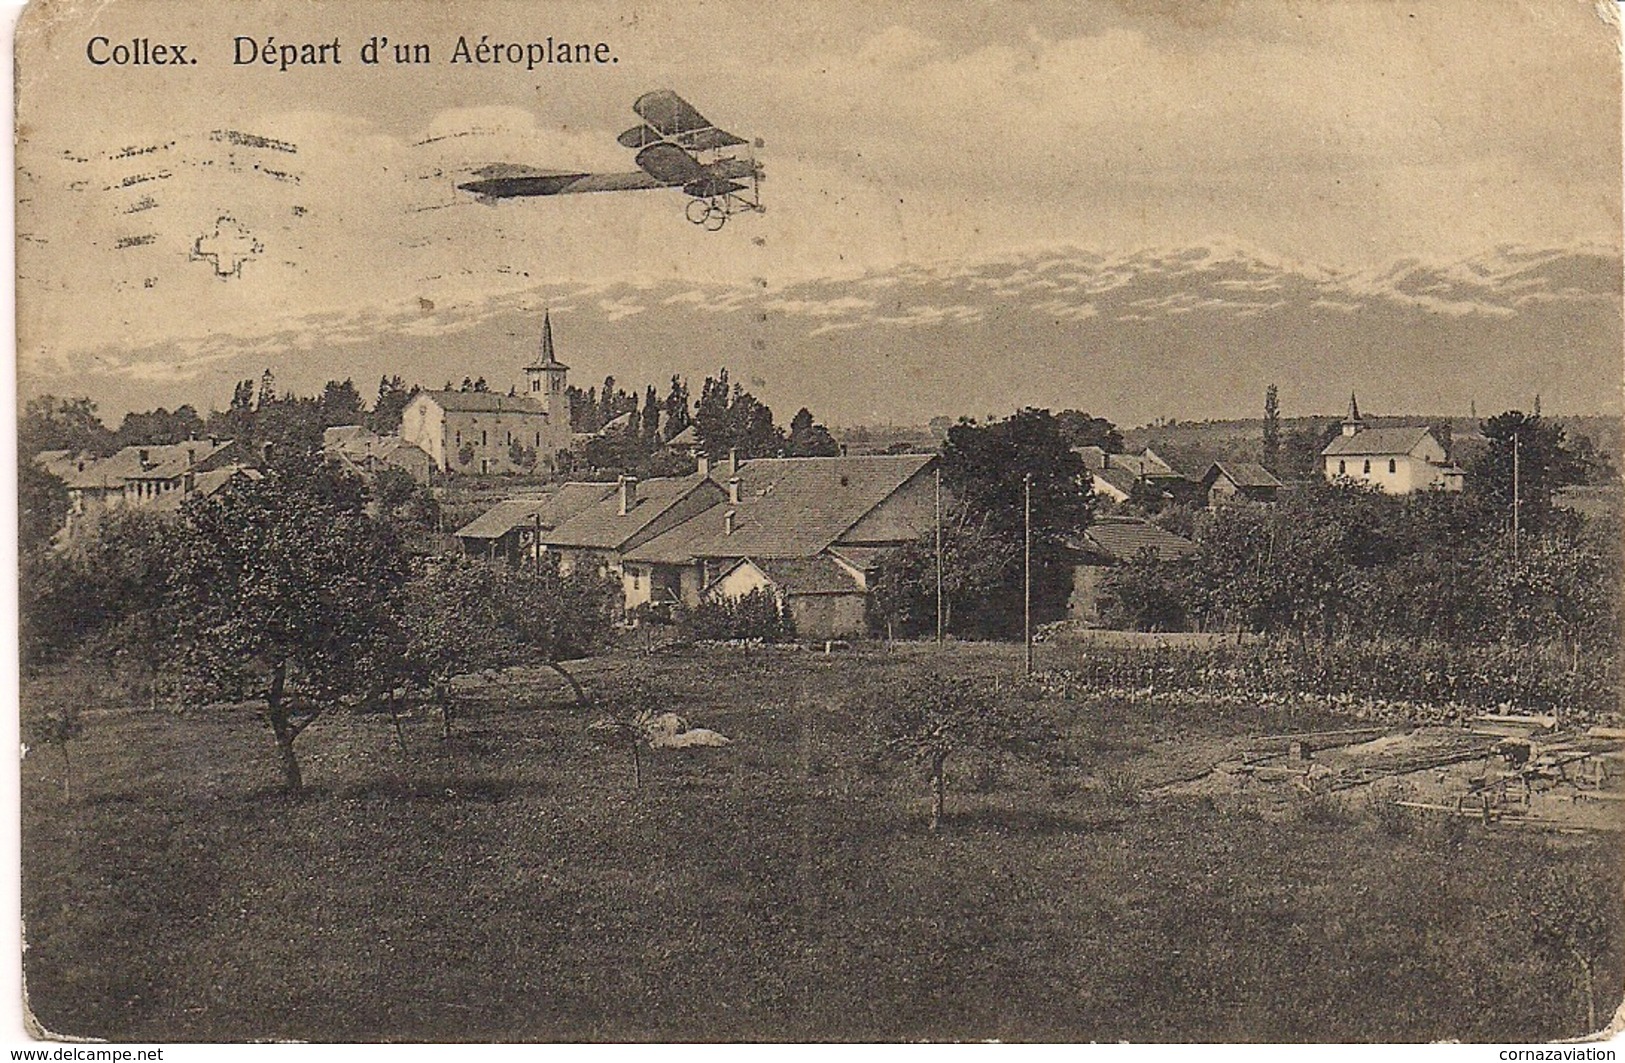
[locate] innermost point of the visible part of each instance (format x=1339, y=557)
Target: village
x=665, y=632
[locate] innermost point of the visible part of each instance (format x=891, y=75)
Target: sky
x=1143, y=209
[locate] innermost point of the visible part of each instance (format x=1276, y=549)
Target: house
x=686, y=442
x=1113, y=541
x=811, y=528
x=486, y=433
x=1142, y=476
x=1238, y=481
x=626, y=515
x=1398, y=461
x=139, y=475
x=366, y=453
x=508, y=530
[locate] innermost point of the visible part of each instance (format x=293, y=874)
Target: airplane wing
x=544, y=183
x=669, y=164
x=674, y=118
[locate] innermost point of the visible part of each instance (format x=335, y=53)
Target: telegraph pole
x=1027, y=569
x=1515, y=489
x=939, y=554
x=536, y=547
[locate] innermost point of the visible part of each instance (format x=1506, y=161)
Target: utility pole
x=536, y=547
x=1027, y=568
x=939, y=553
x=1515, y=490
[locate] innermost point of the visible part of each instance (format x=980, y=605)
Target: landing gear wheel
x=716, y=217
x=698, y=211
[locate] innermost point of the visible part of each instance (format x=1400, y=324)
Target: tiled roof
x=553, y=509
x=788, y=507
x=164, y=461
x=1122, y=540
x=1094, y=458
x=1122, y=479
x=602, y=526
x=809, y=575
x=688, y=437
x=1376, y=441
x=1243, y=474
x=483, y=402
x=206, y=484
x=862, y=558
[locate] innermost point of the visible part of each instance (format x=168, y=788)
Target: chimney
x=188, y=483
x=733, y=490
x=629, y=493
x=728, y=521
x=144, y=457
x=733, y=461
x=705, y=466
x=843, y=450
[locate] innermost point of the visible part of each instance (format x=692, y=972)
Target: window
x=1342, y=467
x=459, y=438
x=535, y=383
x=1368, y=466
x=484, y=441
x=538, y=439
x=1392, y=465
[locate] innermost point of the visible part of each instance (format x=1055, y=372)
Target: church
x=1398, y=461
x=487, y=433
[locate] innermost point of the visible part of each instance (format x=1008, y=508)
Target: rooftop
x=1373, y=441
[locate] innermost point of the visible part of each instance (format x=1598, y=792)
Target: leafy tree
x=727, y=417
x=340, y=403
x=455, y=626
x=809, y=440
x=401, y=498
x=51, y=423
x=1082, y=430
x=60, y=726
x=1146, y=594
x=285, y=593
x=1300, y=450
x=1272, y=429
x=676, y=407
x=393, y=397
x=1573, y=923
x=158, y=427
x=42, y=506
x=977, y=565
x=1543, y=465
x=931, y=720
x=123, y=559
x=650, y=419
x=986, y=467
x=757, y=614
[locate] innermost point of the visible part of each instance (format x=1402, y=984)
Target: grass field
x=509, y=884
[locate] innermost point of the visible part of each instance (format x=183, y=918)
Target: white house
x=1396, y=460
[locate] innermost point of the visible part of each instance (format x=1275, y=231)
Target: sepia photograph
x=857, y=521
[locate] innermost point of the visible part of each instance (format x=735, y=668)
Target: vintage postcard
x=846, y=521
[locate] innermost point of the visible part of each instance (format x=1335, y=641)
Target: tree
x=1082, y=430
x=728, y=417
x=676, y=407
x=401, y=498
x=1272, y=429
x=50, y=423
x=341, y=403
x=123, y=559
x=59, y=726
x=1146, y=594
x=1536, y=450
x=393, y=397
x=1572, y=922
x=932, y=719
x=285, y=593
x=455, y=626
x=650, y=420
x=808, y=439
x=977, y=567
x=986, y=467
x=42, y=506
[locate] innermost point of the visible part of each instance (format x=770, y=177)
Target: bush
x=756, y=615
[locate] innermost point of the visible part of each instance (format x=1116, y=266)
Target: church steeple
x=546, y=376
x=1353, y=422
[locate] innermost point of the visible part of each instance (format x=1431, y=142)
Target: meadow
x=509, y=883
